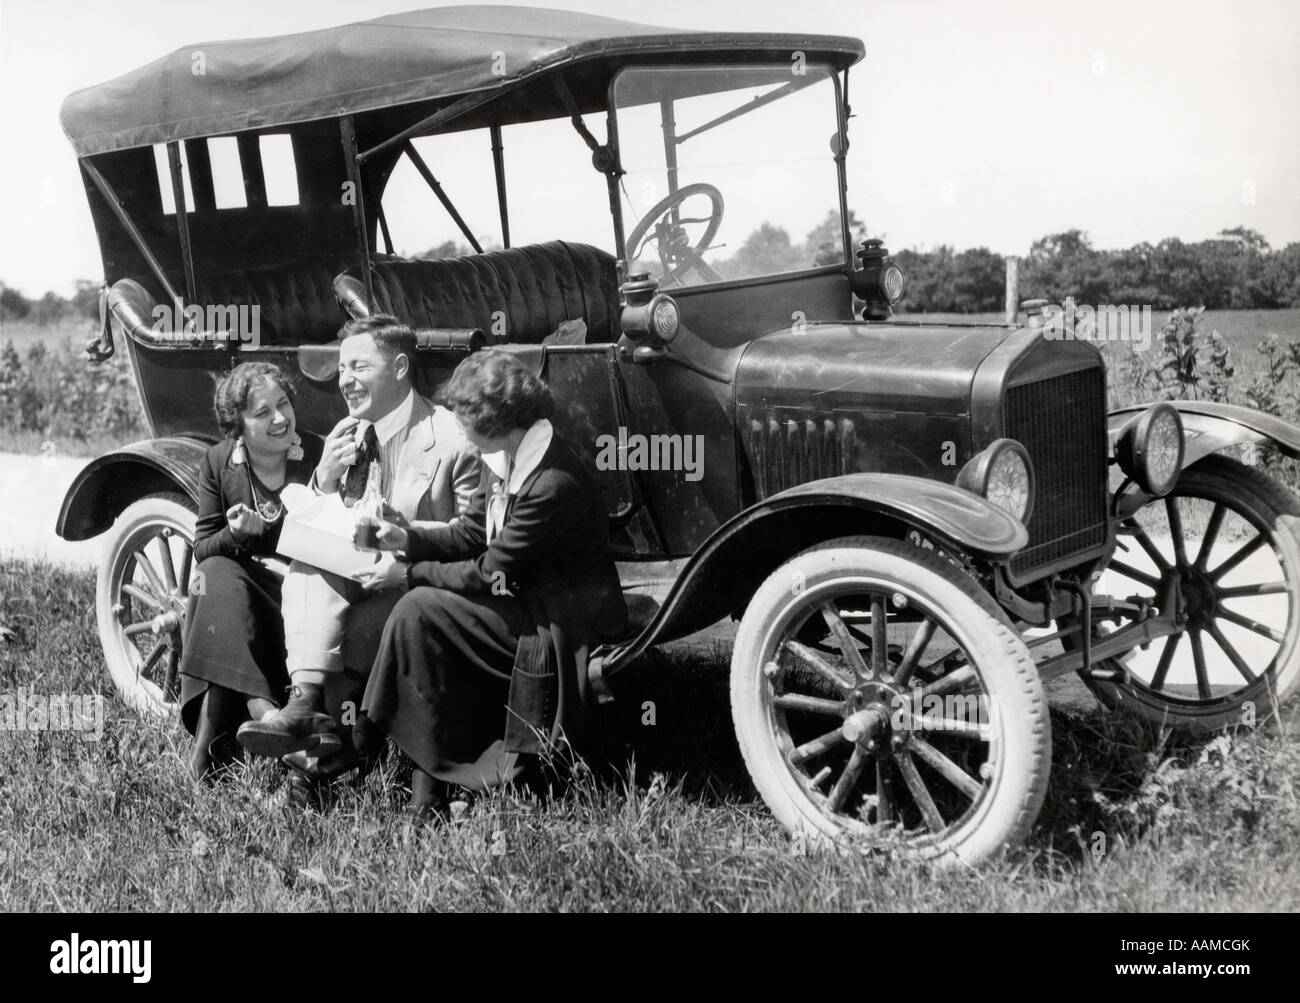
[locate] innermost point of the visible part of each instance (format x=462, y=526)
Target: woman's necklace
x=267, y=502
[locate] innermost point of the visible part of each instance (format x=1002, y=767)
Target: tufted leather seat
x=296, y=304
x=519, y=295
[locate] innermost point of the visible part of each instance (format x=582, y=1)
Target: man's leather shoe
x=330, y=766
x=302, y=725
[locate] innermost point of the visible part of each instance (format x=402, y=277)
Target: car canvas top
x=216, y=88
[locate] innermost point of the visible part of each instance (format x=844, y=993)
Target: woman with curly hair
x=232, y=666
x=484, y=660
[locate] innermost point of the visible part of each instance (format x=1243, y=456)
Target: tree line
x=1235, y=270
x=51, y=310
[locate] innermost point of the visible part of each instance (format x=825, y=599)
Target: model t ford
x=899, y=514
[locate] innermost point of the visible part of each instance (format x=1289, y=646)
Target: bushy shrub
x=55, y=392
x=1187, y=363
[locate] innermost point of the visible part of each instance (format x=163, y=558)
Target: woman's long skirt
x=235, y=638
x=441, y=682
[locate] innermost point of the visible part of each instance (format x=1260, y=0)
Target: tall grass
x=1130, y=823
x=1190, y=360
x=50, y=394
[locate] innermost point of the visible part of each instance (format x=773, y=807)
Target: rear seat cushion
x=296, y=304
x=528, y=291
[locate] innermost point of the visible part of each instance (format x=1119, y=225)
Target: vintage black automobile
x=900, y=515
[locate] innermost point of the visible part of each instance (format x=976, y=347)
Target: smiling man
x=427, y=473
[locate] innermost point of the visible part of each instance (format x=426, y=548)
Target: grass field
x=23, y=334
x=1130, y=823
x=114, y=824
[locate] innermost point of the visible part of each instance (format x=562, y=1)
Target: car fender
x=724, y=572
x=1209, y=427
x=109, y=483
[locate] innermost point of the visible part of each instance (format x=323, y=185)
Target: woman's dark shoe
x=537, y=780
x=428, y=800
x=367, y=737
x=429, y=814
x=200, y=764
x=209, y=760
x=302, y=725
x=220, y=710
x=460, y=800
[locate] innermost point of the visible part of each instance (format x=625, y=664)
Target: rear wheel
x=1226, y=536
x=141, y=597
x=877, y=690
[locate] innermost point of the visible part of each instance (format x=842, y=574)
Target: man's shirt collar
x=390, y=424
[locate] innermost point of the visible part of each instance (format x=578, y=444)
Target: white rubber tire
x=1254, y=496
x=138, y=522
x=1020, y=750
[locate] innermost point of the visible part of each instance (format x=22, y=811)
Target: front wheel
x=141, y=598
x=1226, y=539
x=876, y=689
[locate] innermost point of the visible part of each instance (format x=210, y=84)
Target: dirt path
x=31, y=492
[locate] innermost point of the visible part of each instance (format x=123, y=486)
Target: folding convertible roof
x=420, y=56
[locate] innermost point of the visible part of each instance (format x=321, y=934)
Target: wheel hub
x=866, y=727
x=1200, y=595
x=867, y=714
x=165, y=623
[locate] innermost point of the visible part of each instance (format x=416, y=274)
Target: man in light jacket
x=428, y=472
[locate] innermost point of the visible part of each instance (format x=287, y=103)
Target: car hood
x=867, y=367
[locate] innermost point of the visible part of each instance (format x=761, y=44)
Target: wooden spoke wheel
x=876, y=688
x=1226, y=538
x=142, y=596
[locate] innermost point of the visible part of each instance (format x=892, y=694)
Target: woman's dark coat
x=552, y=554
x=235, y=634
x=223, y=484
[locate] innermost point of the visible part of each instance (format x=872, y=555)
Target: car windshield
x=730, y=170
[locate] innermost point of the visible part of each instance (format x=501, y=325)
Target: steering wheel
x=672, y=243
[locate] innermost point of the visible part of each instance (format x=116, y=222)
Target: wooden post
x=1013, y=289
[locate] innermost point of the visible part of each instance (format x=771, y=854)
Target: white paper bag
x=318, y=531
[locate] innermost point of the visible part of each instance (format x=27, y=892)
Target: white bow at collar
x=512, y=475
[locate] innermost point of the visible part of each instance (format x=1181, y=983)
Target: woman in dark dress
x=484, y=660
x=232, y=666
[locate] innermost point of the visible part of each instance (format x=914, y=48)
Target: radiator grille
x=1061, y=421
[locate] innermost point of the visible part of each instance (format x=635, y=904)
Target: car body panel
x=726, y=569
x=109, y=483
x=1209, y=427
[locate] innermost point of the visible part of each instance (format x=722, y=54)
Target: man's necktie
x=354, y=481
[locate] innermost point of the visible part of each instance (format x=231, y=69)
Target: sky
x=977, y=122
